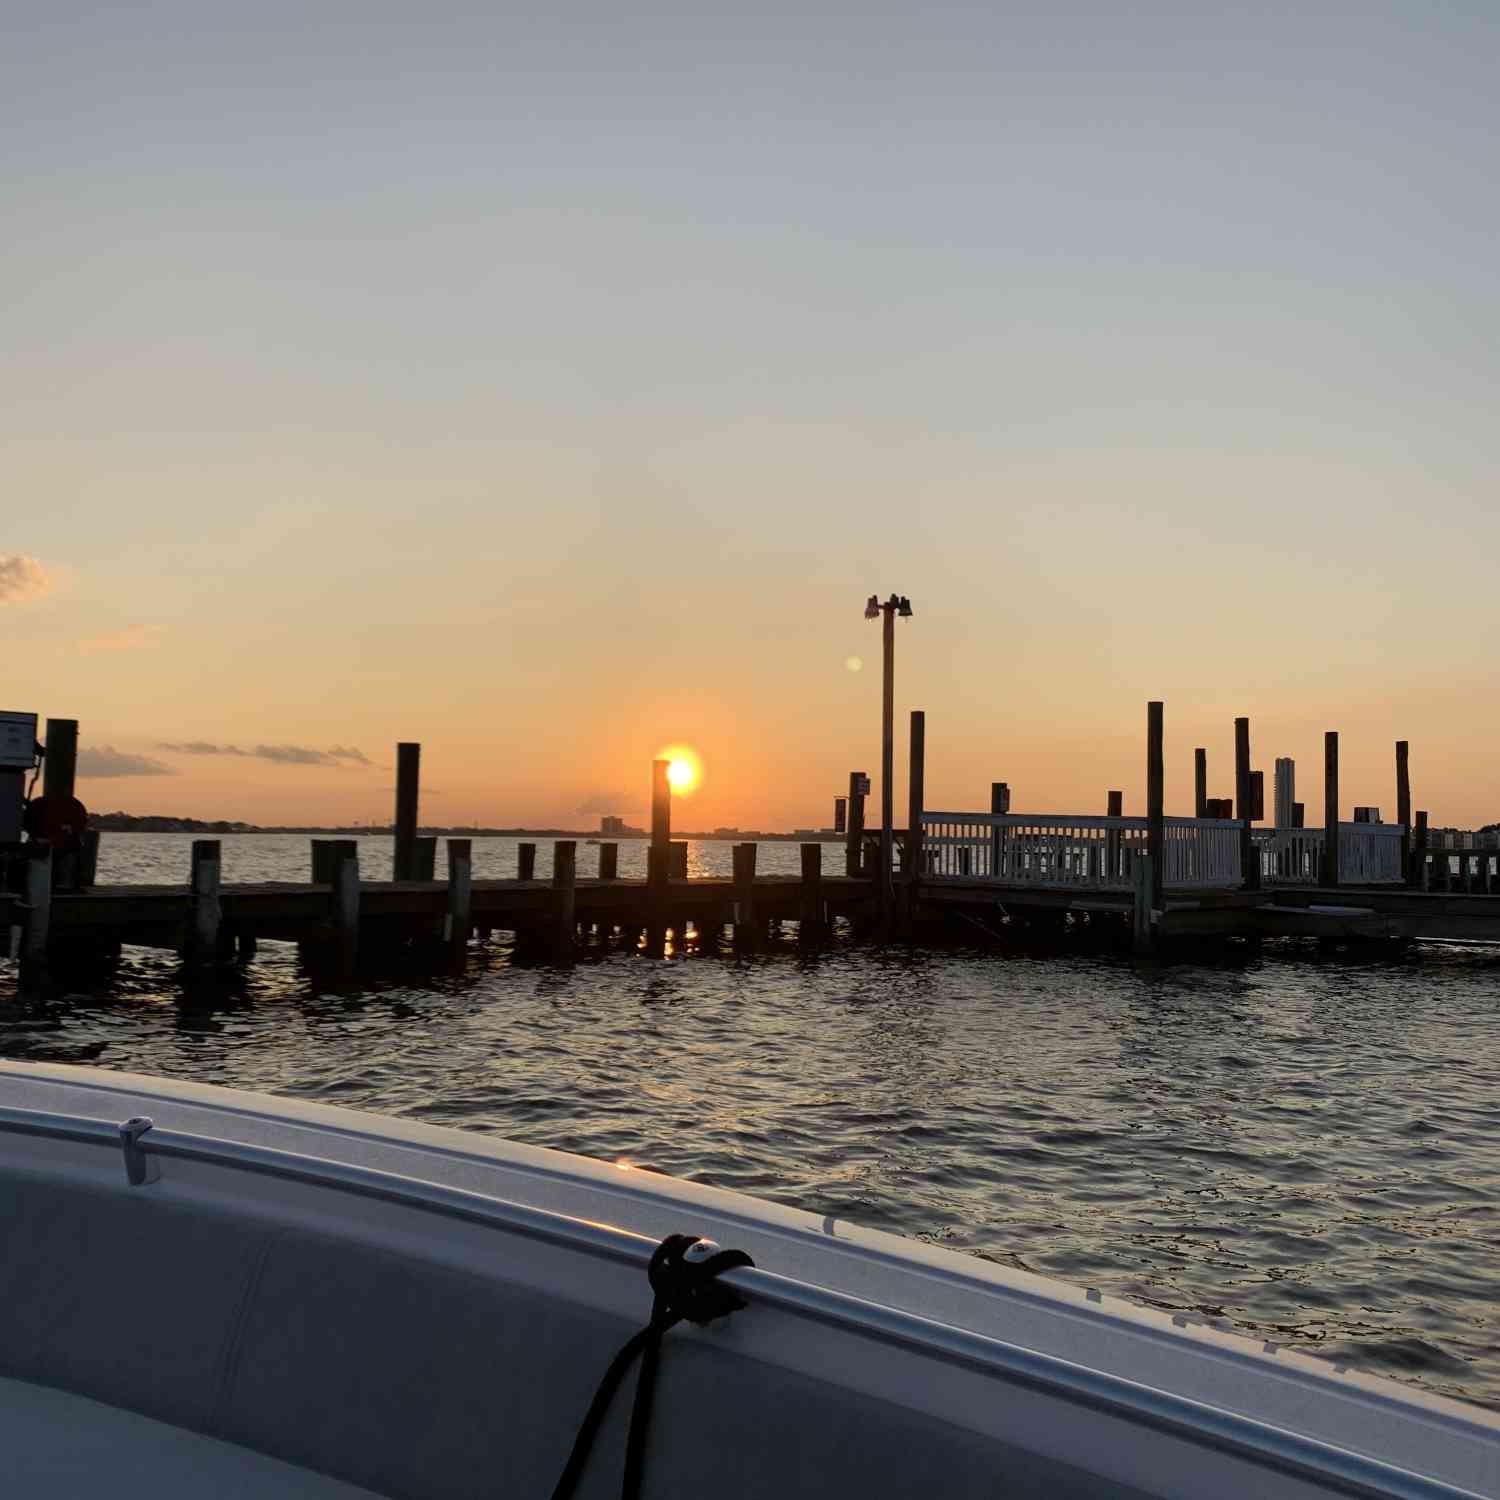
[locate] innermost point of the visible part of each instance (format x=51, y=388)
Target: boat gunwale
x=1214, y=1427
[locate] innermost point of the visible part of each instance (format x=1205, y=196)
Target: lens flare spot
x=855, y=663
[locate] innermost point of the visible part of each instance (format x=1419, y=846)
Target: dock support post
x=661, y=806
x=408, y=777
x=1420, y=874
x=999, y=806
x=525, y=861
x=1200, y=783
x=424, y=859
x=1243, y=808
x=59, y=781
x=744, y=895
x=1330, y=808
x=202, y=945
x=564, y=896
x=1156, y=822
x=1114, y=808
x=1144, y=932
x=460, y=916
x=34, y=975
x=1403, y=805
x=88, y=859
x=609, y=861
x=343, y=876
x=812, y=923
x=677, y=864
x=915, y=797
x=854, y=836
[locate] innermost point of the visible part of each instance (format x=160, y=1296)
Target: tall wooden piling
x=424, y=858
x=60, y=764
x=661, y=805
x=745, y=933
x=525, y=861
x=1243, y=810
x=916, y=775
x=205, y=911
x=408, y=780
x=1200, y=783
x=677, y=864
x=1403, y=805
x=812, y=921
x=459, y=920
x=1331, y=808
x=609, y=861
x=1114, y=808
x=564, y=896
x=854, y=836
x=1419, y=871
x=1156, y=820
x=34, y=976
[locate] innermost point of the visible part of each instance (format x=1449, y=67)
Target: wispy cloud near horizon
x=282, y=755
x=105, y=760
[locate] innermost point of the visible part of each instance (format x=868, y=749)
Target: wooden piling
x=1299, y=815
x=1143, y=930
x=999, y=806
x=60, y=764
x=1243, y=791
x=38, y=919
x=661, y=805
x=1330, y=808
x=609, y=861
x=915, y=798
x=1419, y=870
x=424, y=859
x=88, y=859
x=205, y=911
x=1403, y=805
x=1156, y=822
x=525, y=861
x=677, y=863
x=408, y=780
x=745, y=933
x=810, y=910
x=1114, y=808
x=1200, y=783
x=564, y=896
x=459, y=920
x=343, y=872
x=854, y=836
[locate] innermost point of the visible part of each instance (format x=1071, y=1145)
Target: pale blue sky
x=1151, y=349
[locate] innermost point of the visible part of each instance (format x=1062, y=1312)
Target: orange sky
x=552, y=388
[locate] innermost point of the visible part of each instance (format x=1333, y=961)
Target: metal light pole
x=895, y=605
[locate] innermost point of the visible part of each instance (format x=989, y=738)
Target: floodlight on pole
x=898, y=605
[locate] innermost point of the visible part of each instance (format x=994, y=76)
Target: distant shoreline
x=129, y=823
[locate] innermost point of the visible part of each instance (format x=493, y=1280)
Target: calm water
x=1305, y=1147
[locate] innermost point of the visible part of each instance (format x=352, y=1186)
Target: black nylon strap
x=683, y=1290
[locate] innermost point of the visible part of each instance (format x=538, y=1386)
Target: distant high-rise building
x=611, y=824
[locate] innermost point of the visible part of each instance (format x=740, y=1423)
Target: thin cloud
x=132, y=638
x=198, y=747
x=606, y=802
x=21, y=578
x=281, y=755
x=105, y=760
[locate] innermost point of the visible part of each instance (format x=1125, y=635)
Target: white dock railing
x=1369, y=854
x=1084, y=852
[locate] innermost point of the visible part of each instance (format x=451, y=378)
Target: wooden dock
x=1140, y=882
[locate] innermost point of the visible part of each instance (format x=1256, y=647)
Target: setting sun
x=685, y=768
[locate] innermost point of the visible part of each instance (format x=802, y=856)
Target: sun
x=684, y=768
